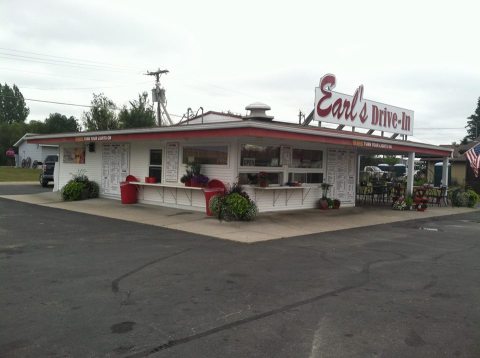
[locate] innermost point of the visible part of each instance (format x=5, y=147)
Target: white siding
x=92, y=166
x=181, y=197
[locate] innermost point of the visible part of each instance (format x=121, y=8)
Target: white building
x=35, y=151
x=232, y=148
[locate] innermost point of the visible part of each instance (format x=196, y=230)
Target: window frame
x=150, y=165
x=227, y=165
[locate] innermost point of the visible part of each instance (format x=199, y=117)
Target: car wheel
x=43, y=182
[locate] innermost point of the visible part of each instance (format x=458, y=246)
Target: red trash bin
x=128, y=192
x=214, y=187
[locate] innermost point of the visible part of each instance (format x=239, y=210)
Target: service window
x=307, y=158
x=206, y=154
x=306, y=178
x=259, y=156
x=273, y=178
x=155, y=167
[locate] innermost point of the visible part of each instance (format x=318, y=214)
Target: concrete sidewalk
x=267, y=226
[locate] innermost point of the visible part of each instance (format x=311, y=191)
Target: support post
x=445, y=172
x=410, y=171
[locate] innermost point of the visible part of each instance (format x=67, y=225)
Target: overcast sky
x=223, y=55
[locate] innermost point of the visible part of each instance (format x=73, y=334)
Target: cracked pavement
x=77, y=285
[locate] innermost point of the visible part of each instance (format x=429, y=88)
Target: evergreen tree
x=473, y=125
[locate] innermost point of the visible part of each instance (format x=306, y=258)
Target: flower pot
x=323, y=204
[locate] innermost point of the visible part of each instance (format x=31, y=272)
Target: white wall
x=267, y=200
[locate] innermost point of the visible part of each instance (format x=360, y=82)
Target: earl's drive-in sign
x=355, y=111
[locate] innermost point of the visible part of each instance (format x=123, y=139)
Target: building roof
x=251, y=128
x=25, y=138
x=458, y=151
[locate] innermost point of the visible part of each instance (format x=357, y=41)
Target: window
x=259, y=156
x=274, y=178
x=306, y=158
x=206, y=154
x=155, y=168
x=306, y=177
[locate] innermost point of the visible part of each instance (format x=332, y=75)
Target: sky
x=224, y=55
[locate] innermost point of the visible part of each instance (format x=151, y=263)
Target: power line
x=58, y=63
x=77, y=60
x=66, y=104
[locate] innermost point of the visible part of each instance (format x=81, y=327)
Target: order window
x=155, y=167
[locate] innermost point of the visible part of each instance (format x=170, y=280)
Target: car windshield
x=52, y=158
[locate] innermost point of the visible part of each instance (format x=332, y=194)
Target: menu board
x=115, y=167
x=341, y=166
x=171, y=165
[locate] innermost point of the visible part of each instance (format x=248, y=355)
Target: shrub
x=462, y=197
x=233, y=206
x=73, y=191
x=473, y=198
x=80, y=188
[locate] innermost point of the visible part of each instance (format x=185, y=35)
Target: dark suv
x=47, y=169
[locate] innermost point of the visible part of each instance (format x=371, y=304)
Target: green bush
x=233, y=206
x=473, y=198
x=73, y=191
x=80, y=188
x=461, y=197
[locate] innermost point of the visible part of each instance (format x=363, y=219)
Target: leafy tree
x=59, y=123
x=37, y=127
x=12, y=105
x=140, y=115
x=473, y=125
x=101, y=115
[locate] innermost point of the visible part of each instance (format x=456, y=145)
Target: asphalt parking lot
x=77, y=285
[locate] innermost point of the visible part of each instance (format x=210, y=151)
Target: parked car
x=48, y=166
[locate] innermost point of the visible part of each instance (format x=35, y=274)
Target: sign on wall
x=341, y=169
x=75, y=155
x=355, y=111
x=171, y=162
x=115, y=167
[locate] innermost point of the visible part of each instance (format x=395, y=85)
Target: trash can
x=214, y=187
x=128, y=192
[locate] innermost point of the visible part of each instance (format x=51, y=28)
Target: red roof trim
x=363, y=143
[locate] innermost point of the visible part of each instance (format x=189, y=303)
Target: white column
x=445, y=172
x=410, y=171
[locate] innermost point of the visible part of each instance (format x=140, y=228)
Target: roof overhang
x=276, y=130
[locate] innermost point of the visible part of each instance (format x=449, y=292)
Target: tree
x=59, y=123
x=12, y=105
x=101, y=115
x=473, y=125
x=140, y=115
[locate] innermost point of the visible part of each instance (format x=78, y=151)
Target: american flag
x=473, y=156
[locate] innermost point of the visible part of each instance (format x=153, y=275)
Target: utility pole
x=158, y=95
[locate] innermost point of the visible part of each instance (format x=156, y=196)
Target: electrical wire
x=67, y=58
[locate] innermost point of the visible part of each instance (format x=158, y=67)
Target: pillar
x=445, y=172
x=410, y=171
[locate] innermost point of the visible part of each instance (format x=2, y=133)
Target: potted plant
x=199, y=180
x=323, y=202
x=336, y=204
x=193, y=169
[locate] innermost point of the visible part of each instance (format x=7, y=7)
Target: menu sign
x=341, y=166
x=115, y=167
x=171, y=165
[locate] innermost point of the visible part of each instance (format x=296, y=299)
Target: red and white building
x=234, y=148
